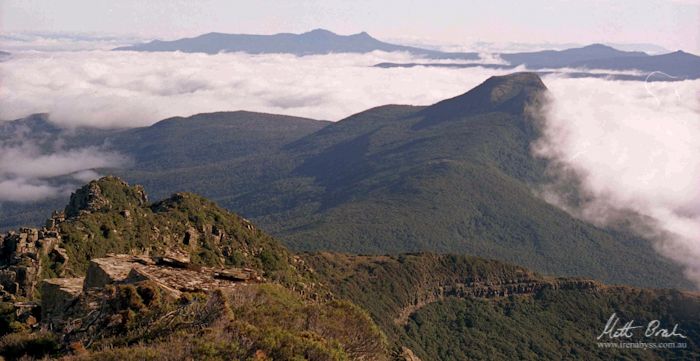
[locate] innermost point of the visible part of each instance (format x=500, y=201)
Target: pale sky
x=673, y=24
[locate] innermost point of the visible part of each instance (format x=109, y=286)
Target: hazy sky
x=674, y=24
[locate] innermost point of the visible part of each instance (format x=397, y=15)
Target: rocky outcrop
x=21, y=255
x=64, y=298
x=103, y=195
x=57, y=294
x=175, y=276
x=113, y=269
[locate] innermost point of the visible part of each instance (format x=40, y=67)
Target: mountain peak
x=320, y=32
x=39, y=122
x=505, y=87
x=106, y=193
x=598, y=46
x=507, y=93
x=681, y=53
x=363, y=34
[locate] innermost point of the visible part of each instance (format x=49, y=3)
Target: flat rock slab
x=112, y=269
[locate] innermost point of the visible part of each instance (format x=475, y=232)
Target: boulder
x=104, y=271
x=173, y=258
x=57, y=294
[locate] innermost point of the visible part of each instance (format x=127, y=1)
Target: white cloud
x=124, y=89
x=28, y=170
x=28, y=161
x=24, y=190
x=62, y=41
x=634, y=147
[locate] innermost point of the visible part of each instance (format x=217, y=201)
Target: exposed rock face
x=63, y=298
x=104, y=271
x=174, y=277
x=489, y=290
x=57, y=294
x=108, y=193
x=177, y=280
x=102, y=218
x=21, y=255
x=174, y=258
x=28, y=313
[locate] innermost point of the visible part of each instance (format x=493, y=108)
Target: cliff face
x=488, y=290
x=25, y=256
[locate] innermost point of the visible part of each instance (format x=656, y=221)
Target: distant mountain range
x=679, y=65
x=314, y=42
x=456, y=176
x=562, y=58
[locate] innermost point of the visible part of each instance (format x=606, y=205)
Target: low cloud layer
x=28, y=171
x=633, y=147
x=61, y=41
x=125, y=89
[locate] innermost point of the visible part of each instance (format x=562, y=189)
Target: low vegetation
x=551, y=323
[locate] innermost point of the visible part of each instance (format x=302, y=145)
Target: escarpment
x=488, y=290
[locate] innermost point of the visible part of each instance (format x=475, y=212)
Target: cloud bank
x=125, y=89
x=32, y=172
x=61, y=41
x=633, y=147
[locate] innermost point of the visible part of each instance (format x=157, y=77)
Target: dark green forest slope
x=447, y=307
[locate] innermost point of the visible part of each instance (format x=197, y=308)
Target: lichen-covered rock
x=108, y=270
x=173, y=276
x=57, y=294
x=21, y=255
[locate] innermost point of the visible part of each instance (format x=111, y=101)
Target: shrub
x=38, y=344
